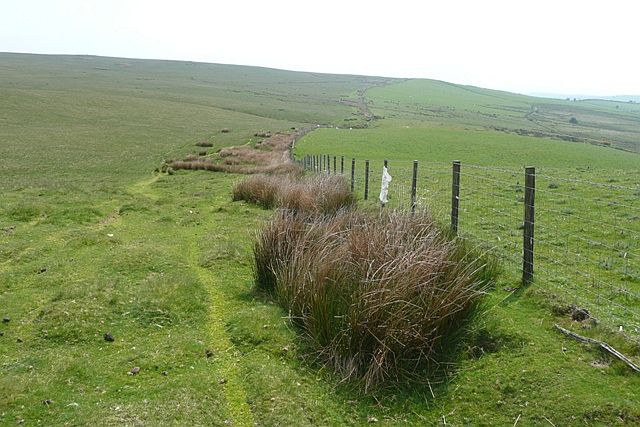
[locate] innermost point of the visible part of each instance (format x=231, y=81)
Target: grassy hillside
x=606, y=123
x=93, y=241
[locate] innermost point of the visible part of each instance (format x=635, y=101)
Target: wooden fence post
x=455, y=197
x=342, y=165
x=353, y=173
x=414, y=187
x=328, y=164
x=366, y=179
x=334, y=165
x=529, y=221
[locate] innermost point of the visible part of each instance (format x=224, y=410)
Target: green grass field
x=93, y=241
x=588, y=201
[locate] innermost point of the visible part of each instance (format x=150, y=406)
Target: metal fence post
x=529, y=220
x=414, y=187
x=366, y=179
x=353, y=173
x=455, y=197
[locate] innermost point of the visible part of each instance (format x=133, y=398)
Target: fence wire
x=587, y=233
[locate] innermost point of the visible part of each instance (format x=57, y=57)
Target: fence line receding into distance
x=571, y=236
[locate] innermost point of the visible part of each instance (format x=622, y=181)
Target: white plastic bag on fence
x=384, y=189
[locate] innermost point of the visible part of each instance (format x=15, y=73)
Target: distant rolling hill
x=233, y=95
x=593, y=121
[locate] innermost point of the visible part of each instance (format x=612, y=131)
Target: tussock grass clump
x=318, y=194
x=204, y=144
x=261, y=190
x=208, y=164
x=381, y=297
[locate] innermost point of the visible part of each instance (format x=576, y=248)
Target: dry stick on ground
x=603, y=345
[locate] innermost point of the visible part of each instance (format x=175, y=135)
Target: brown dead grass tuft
x=381, y=297
x=317, y=194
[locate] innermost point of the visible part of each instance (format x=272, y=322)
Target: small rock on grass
x=108, y=337
x=580, y=314
x=6, y=319
x=134, y=371
x=222, y=381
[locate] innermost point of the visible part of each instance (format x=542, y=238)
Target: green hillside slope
x=606, y=123
x=93, y=241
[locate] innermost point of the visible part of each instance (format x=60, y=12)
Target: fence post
x=529, y=220
x=414, y=187
x=353, y=173
x=341, y=165
x=328, y=164
x=386, y=165
x=366, y=179
x=334, y=165
x=455, y=197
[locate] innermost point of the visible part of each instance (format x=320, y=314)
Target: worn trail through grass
x=218, y=339
x=218, y=342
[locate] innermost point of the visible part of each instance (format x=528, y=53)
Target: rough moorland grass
x=379, y=295
x=269, y=156
x=318, y=194
x=207, y=164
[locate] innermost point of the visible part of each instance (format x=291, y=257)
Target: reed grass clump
x=380, y=296
x=317, y=194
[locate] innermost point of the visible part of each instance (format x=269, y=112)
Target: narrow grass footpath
x=234, y=389
x=218, y=344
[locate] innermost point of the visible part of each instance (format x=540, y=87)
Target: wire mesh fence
x=583, y=237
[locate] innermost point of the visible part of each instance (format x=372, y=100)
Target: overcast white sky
x=552, y=46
